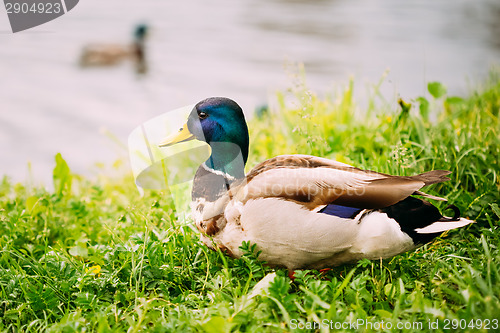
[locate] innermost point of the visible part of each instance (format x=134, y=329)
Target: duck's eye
x=202, y=115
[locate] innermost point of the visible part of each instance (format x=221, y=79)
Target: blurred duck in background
x=101, y=55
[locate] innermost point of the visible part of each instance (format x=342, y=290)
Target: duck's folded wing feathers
x=314, y=181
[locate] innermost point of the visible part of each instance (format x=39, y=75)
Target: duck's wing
x=315, y=182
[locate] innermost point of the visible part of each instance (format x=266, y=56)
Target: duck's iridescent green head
x=141, y=31
x=220, y=122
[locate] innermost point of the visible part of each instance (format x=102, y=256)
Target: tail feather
x=432, y=177
x=443, y=224
x=429, y=196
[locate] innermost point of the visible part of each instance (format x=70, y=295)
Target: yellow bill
x=181, y=136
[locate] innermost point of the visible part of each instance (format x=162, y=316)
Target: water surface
x=240, y=49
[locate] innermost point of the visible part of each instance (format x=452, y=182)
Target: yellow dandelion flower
x=94, y=270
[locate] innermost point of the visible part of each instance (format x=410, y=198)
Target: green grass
x=95, y=256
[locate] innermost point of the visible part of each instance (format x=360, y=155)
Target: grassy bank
x=95, y=256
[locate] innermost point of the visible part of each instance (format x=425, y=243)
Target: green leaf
x=436, y=89
x=454, y=100
x=389, y=290
x=423, y=105
x=495, y=209
x=61, y=176
x=216, y=325
x=32, y=205
x=79, y=251
x=339, y=290
x=383, y=313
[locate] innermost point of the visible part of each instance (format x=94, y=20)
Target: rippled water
x=238, y=49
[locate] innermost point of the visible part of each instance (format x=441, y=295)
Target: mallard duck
x=302, y=211
x=114, y=54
